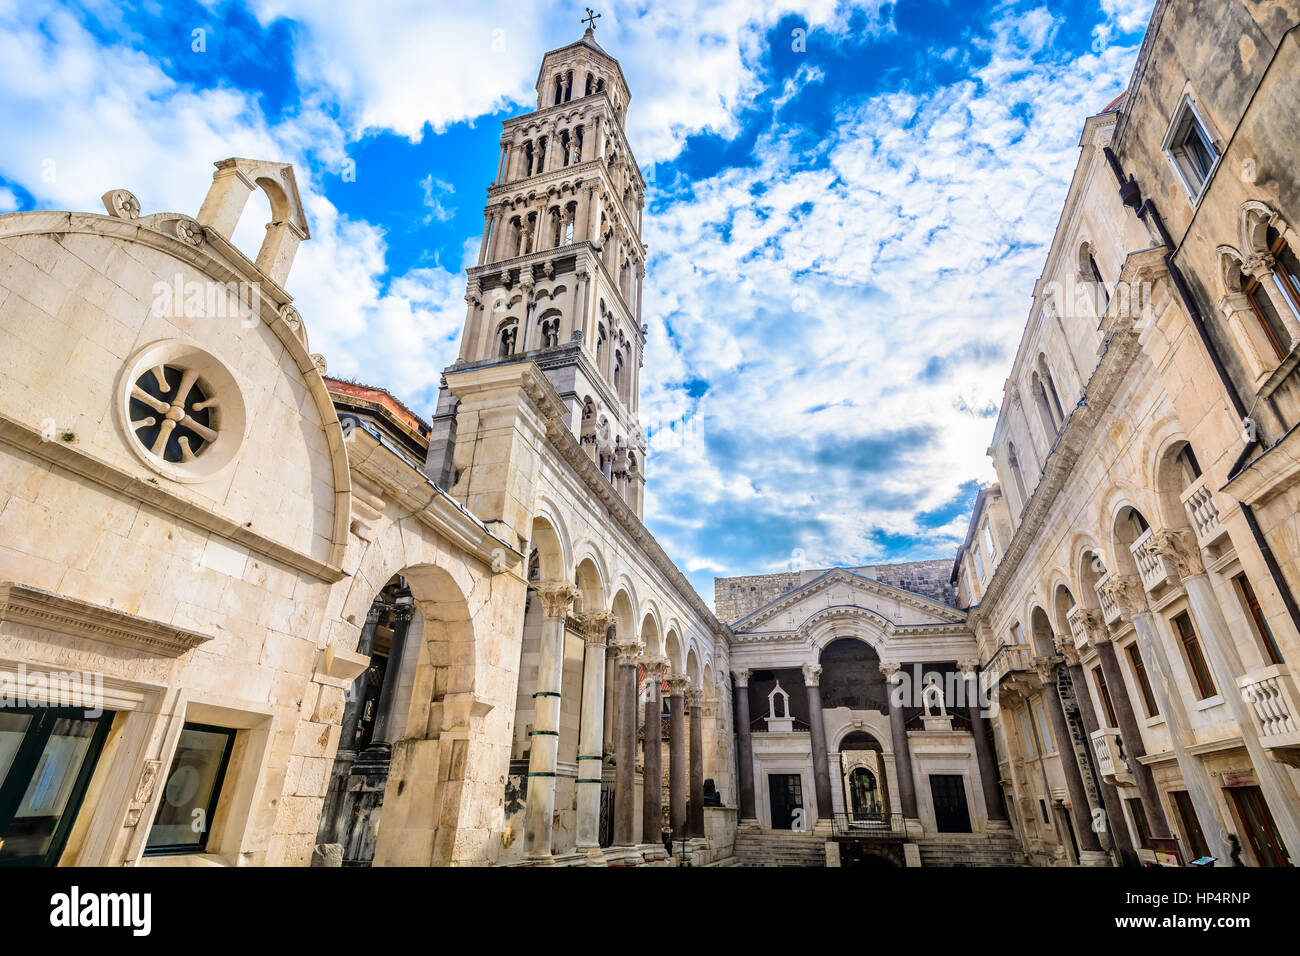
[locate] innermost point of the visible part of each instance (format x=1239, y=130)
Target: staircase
x=965, y=849
x=779, y=848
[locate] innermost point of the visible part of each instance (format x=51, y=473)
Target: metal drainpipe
x=1131, y=195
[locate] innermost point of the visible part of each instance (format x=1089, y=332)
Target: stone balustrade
x=1109, y=608
x=1111, y=762
x=1080, y=633
x=1271, y=694
x=1007, y=658
x=1156, y=570
x=1203, y=513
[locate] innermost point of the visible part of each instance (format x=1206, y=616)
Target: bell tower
x=561, y=263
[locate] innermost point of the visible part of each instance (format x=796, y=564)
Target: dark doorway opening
x=951, y=815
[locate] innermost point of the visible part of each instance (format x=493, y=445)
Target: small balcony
x=1203, y=513
x=1271, y=694
x=1109, y=608
x=1080, y=633
x=1008, y=659
x=1157, y=571
x=1109, y=748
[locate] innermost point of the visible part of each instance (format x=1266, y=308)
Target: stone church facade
x=254, y=615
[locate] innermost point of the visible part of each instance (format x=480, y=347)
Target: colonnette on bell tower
x=560, y=268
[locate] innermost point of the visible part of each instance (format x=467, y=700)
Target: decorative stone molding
x=291, y=317
x=1045, y=666
x=318, y=360
x=34, y=607
x=556, y=597
x=892, y=670
x=656, y=668
x=678, y=684
x=122, y=204
x=628, y=652
x=741, y=676
x=869, y=586
x=1064, y=645
x=812, y=675
x=189, y=231
x=1093, y=625
x=969, y=667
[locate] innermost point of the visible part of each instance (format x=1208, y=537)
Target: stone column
x=695, y=818
x=812, y=675
x=544, y=744
x=1090, y=852
x=383, y=729
x=595, y=624
x=1127, y=593
x=677, y=756
x=898, y=736
x=1179, y=548
x=625, y=753
x=985, y=758
x=1129, y=734
x=612, y=699
x=745, y=746
x=652, y=781
x=1116, y=825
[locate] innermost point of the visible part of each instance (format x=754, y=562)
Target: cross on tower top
x=590, y=19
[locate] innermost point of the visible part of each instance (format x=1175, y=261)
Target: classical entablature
x=900, y=625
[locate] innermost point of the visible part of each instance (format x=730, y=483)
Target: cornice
x=837, y=576
x=34, y=607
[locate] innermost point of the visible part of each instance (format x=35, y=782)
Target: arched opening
x=1041, y=630
x=507, y=334
x=1177, y=470
x=1130, y=525
x=1017, y=477
x=862, y=772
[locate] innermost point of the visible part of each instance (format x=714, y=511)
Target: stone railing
x=1202, y=512
x=1155, y=570
x=1007, y=658
x=1271, y=694
x=1110, y=610
x=1109, y=748
x=1080, y=633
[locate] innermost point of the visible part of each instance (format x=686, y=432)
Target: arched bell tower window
x=507, y=333
x=550, y=330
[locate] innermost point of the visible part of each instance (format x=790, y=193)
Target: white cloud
x=435, y=191
x=8, y=199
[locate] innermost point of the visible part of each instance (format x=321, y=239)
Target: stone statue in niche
x=932, y=696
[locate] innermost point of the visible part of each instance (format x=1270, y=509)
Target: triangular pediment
x=840, y=587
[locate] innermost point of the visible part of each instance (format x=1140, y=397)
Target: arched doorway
x=865, y=801
x=862, y=766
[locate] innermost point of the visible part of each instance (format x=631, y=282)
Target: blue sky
x=848, y=206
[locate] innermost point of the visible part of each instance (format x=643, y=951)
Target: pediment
x=840, y=588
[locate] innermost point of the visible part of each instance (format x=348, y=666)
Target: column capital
x=629, y=652
x=1127, y=593
x=677, y=685
x=656, y=668
x=1179, y=548
x=556, y=597
x=969, y=667
x=694, y=697
x=891, y=670
x=1064, y=644
x=1094, y=625
x=1046, y=665
x=812, y=675
x=595, y=625
x=741, y=675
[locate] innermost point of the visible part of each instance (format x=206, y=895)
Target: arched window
x=550, y=330
x=507, y=332
x=1270, y=320
x=564, y=147
x=618, y=372
x=1050, y=424
x=559, y=89
x=1049, y=388
x=587, y=90
x=528, y=158
x=1286, y=269
x=1013, y=463
x=601, y=347
x=541, y=154
x=1186, y=460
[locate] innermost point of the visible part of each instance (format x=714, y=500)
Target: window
x=1042, y=807
x=1049, y=744
x=1014, y=464
x=1255, y=614
x=1266, y=314
x=1187, y=462
x=1286, y=269
x=1191, y=826
x=1144, y=685
x=988, y=541
x=1027, y=732
x=1104, y=692
x=189, y=798
x=1191, y=150
x=506, y=338
x=1018, y=632
x=999, y=747
x=979, y=565
x=1195, y=659
x=1139, y=815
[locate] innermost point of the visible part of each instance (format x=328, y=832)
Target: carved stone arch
x=1060, y=599
x=1041, y=635
x=1229, y=263
x=551, y=539
x=233, y=184
x=835, y=623
x=1084, y=578
x=1119, y=503
x=692, y=668
x=653, y=636
x=624, y=607
x=675, y=651
x=595, y=592
x=1254, y=219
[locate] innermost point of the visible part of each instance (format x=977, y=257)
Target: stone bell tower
x=560, y=267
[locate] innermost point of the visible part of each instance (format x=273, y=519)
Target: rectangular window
x=988, y=542
x=1104, y=692
x=998, y=746
x=1042, y=806
x=193, y=787
x=1140, y=822
x=1191, y=826
x=1019, y=632
x=1195, y=659
x=979, y=565
x=1191, y=150
x=1028, y=734
x=1144, y=685
x=1255, y=614
x=1049, y=745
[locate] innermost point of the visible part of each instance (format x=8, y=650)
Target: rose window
x=172, y=413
